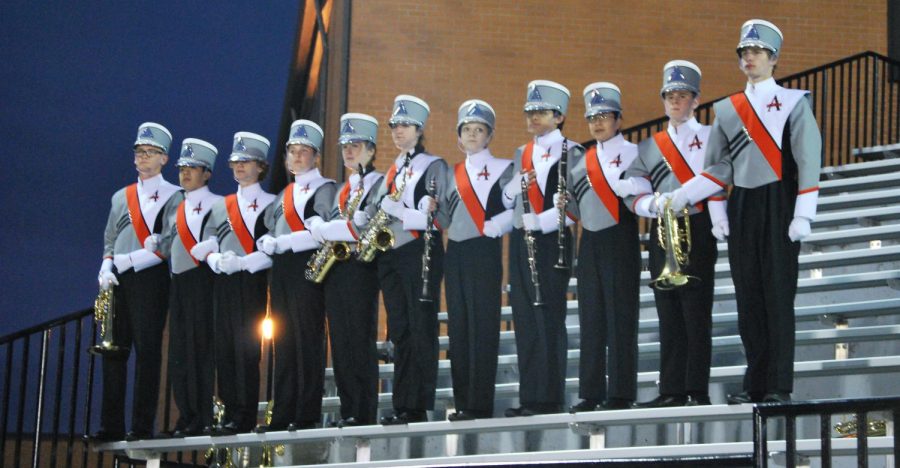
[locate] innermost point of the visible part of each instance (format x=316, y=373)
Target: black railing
x=856, y=101
x=825, y=409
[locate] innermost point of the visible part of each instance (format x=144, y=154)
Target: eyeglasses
x=601, y=116
x=147, y=153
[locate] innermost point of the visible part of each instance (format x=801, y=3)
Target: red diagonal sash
x=237, y=223
x=600, y=185
x=392, y=173
x=345, y=193
x=290, y=211
x=184, y=232
x=467, y=193
x=679, y=166
x=535, y=197
x=134, y=212
x=758, y=131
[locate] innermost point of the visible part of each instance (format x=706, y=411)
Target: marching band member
x=191, y=363
x=541, y=339
x=137, y=214
x=298, y=304
x=609, y=260
x=766, y=143
x=239, y=293
x=412, y=322
x=351, y=287
x=473, y=264
x=667, y=160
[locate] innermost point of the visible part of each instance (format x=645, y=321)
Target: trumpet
x=377, y=235
x=532, y=248
x=426, y=252
x=675, y=239
x=334, y=251
x=561, y=218
x=105, y=315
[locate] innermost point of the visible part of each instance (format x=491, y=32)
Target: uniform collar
x=250, y=192
x=765, y=86
x=612, y=143
x=479, y=158
x=196, y=195
x=691, y=125
x=151, y=184
x=549, y=139
x=307, y=176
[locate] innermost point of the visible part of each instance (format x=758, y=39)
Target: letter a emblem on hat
x=676, y=75
x=597, y=98
x=400, y=110
x=535, y=95
x=752, y=33
x=188, y=151
x=239, y=145
x=146, y=133
x=348, y=128
x=474, y=111
x=301, y=132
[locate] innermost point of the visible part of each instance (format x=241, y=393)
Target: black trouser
x=140, y=317
x=412, y=323
x=541, y=340
x=298, y=309
x=351, y=301
x=240, y=306
x=685, y=313
x=764, y=268
x=191, y=363
x=609, y=270
x=474, y=272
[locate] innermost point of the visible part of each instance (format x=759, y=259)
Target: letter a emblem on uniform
x=401, y=109
x=146, y=133
x=535, y=95
x=696, y=143
x=348, y=128
x=301, y=132
x=597, y=98
x=239, y=145
x=474, y=111
x=188, y=152
x=775, y=103
x=752, y=33
x=676, y=75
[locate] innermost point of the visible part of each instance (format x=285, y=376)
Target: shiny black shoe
x=616, y=404
x=462, y=415
x=698, y=400
x=663, y=401
x=229, y=428
x=405, y=417
x=301, y=426
x=133, y=436
x=348, y=422
x=585, y=405
x=516, y=412
x=102, y=436
x=743, y=398
x=776, y=397
x=263, y=428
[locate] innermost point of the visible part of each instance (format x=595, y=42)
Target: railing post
x=39, y=411
x=876, y=104
x=790, y=440
x=760, y=447
x=862, y=439
x=825, y=438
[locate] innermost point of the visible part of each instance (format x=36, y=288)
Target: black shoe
x=229, y=428
x=516, y=412
x=663, y=401
x=190, y=431
x=105, y=436
x=698, y=400
x=776, y=397
x=461, y=415
x=133, y=436
x=616, y=404
x=585, y=405
x=348, y=422
x=405, y=417
x=743, y=398
x=263, y=428
x=300, y=426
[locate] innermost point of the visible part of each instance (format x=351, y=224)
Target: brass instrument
x=105, y=315
x=267, y=457
x=532, y=248
x=218, y=457
x=675, y=239
x=561, y=219
x=378, y=236
x=331, y=251
x=850, y=429
x=426, y=252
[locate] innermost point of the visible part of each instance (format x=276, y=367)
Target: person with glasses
x=668, y=159
x=133, y=262
x=191, y=368
x=412, y=318
x=541, y=340
x=237, y=222
x=474, y=261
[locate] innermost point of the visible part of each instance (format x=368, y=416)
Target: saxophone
x=378, y=236
x=105, y=315
x=331, y=251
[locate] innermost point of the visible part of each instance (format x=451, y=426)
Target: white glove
x=282, y=244
x=203, y=249
x=624, y=188
x=393, y=208
x=799, y=229
x=679, y=199
x=492, y=230
x=360, y=218
x=318, y=232
x=267, y=244
x=425, y=204
x=106, y=278
x=720, y=230
x=213, y=261
x=513, y=187
x=122, y=262
x=656, y=203
x=531, y=222
x=229, y=263
x=151, y=243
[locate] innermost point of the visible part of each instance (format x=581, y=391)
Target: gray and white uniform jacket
x=194, y=210
x=238, y=221
x=475, y=196
x=307, y=199
x=594, y=176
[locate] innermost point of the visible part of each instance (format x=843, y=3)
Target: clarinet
x=532, y=248
x=426, y=252
x=561, y=219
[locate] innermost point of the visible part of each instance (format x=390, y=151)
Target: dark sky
x=77, y=78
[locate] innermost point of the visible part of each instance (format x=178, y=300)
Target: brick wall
x=447, y=51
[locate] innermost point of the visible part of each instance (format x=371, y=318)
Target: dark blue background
x=77, y=78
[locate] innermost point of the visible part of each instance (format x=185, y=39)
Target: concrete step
x=875, y=153
x=861, y=183
x=860, y=169
x=859, y=200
